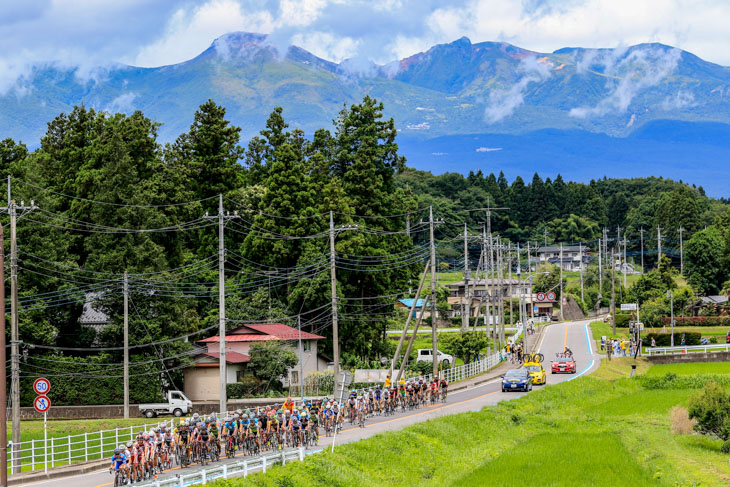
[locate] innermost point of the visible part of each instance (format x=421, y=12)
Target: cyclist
x=304, y=420
x=213, y=430
x=444, y=387
x=119, y=462
x=378, y=398
x=289, y=404
x=434, y=388
x=253, y=430
x=137, y=459
x=295, y=426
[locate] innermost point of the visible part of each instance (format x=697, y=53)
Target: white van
x=425, y=355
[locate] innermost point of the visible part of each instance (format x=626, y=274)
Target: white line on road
x=582, y=372
x=588, y=341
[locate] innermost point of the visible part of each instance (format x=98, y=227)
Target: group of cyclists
x=201, y=440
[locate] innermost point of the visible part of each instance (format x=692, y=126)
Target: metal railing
x=225, y=470
x=65, y=450
x=715, y=347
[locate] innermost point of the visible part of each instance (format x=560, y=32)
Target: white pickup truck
x=177, y=404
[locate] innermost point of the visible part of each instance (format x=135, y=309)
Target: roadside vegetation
x=605, y=429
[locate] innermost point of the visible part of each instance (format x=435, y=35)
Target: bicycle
x=120, y=476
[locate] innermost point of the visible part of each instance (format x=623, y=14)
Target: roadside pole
x=3, y=378
x=126, y=345
x=434, y=333
x=562, y=297
x=613, y=292
x=301, y=359
x=670, y=295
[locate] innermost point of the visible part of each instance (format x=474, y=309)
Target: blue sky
x=89, y=33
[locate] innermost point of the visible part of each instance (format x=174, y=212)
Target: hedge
x=698, y=321
x=664, y=339
x=79, y=381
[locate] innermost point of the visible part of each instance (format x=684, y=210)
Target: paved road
x=574, y=334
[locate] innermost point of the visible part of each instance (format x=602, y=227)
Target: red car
x=563, y=364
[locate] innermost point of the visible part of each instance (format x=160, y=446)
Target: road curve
x=576, y=335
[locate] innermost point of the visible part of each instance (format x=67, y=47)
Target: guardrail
x=59, y=451
x=225, y=470
x=688, y=349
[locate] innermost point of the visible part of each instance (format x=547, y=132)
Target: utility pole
x=659, y=246
x=528, y=257
x=466, y=304
x=681, y=251
x=641, y=231
x=333, y=288
x=562, y=316
x=509, y=264
x=434, y=334
x=613, y=297
x=618, y=244
x=408, y=224
x=605, y=247
x=223, y=218
x=3, y=377
x=301, y=359
x=600, y=267
x=12, y=210
x=580, y=256
x=545, y=235
x=126, y=345
x=625, y=263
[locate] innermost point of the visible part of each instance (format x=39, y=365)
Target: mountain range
x=648, y=109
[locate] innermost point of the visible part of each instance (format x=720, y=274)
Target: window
x=307, y=345
x=294, y=377
x=239, y=375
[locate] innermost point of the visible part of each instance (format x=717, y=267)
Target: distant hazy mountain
x=441, y=95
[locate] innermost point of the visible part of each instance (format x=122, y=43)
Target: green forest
x=101, y=196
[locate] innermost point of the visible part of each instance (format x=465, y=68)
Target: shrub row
x=698, y=321
x=671, y=380
x=665, y=339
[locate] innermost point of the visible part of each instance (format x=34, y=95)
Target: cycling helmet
x=116, y=451
x=238, y=411
x=196, y=415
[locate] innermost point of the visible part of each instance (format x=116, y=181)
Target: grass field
x=605, y=430
x=691, y=368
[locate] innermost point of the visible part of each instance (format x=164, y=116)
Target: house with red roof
x=202, y=379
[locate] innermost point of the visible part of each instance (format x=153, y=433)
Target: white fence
x=38, y=455
x=718, y=347
x=225, y=470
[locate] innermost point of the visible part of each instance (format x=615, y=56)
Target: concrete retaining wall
x=676, y=358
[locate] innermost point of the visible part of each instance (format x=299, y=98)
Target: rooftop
x=263, y=332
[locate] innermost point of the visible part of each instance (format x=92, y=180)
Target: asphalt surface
x=575, y=335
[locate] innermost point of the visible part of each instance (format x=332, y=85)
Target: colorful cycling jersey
x=295, y=424
x=214, y=430
x=254, y=425
x=118, y=460
x=377, y=394
x=230, y=426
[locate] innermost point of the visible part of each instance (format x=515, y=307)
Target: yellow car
x=537, y=373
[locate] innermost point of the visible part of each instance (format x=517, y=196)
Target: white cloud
x=122, y=104
x=89, y=33
x=681, y=99
x=503, y=102
x=636, y=71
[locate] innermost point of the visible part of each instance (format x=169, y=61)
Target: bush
x=622, y=320
x=671, y=380
x=711, y=409
x=698, y=321
x=665, y=340
x=248, y=386
x=420, y=368
x=725, y=448
x=319, y=383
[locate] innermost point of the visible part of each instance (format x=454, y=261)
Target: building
x=575, y=257
x=480, y=289
x=202, y=379
x=407, y=303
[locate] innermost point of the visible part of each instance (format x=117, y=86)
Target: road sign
x=551, y=296
x=541, y=296
x=42, y=386
x=628, y=307
x=42, y=404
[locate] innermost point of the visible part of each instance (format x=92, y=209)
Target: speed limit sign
x=41, y=386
